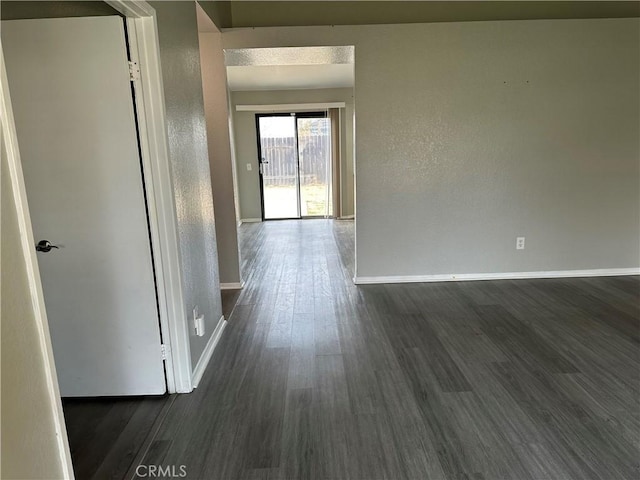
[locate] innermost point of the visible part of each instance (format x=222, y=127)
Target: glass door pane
x=314, y=147
x=279, y=167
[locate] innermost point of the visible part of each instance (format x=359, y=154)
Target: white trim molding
x=198, y=372
x=463, y=277
x=289, y=107
x=232, y=285
x=250, y=220
x=149, y=98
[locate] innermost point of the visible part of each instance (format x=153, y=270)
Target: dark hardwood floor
x=315, y=378
x=108, y=435
x=229, y=300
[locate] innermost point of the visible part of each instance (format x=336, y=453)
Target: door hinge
x=164, y=351
x=134, y=71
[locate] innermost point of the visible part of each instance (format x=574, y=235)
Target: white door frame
x=151, y=116
x=145, y=51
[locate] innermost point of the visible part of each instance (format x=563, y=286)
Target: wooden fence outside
x=280, y=152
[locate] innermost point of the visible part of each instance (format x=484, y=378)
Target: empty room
x=320, y=240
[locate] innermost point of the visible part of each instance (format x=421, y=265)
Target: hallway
x=317, y=378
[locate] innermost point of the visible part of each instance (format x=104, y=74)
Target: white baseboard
x=250, y=220
x=232, y=286
x=196, y=376
x=604, y=272
x=347, y=217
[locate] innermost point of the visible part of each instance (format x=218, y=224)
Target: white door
x=71, y=96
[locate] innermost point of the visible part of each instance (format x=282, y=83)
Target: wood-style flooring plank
x=316, y=378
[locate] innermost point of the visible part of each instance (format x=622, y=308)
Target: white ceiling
x=290, y=77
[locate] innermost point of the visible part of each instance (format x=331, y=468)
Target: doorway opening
x=291, y=90
x=294, y=155
x=292, y=130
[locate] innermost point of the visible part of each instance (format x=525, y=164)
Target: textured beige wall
x=214, y=84
x=247, y=149
x=470, y=134
x=29, y=443
x=188, y=152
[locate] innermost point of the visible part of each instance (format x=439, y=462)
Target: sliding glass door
x=278, y=156
x=295, y=165
x=314, y=158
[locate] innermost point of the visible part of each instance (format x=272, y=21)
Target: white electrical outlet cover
x=199, y=321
